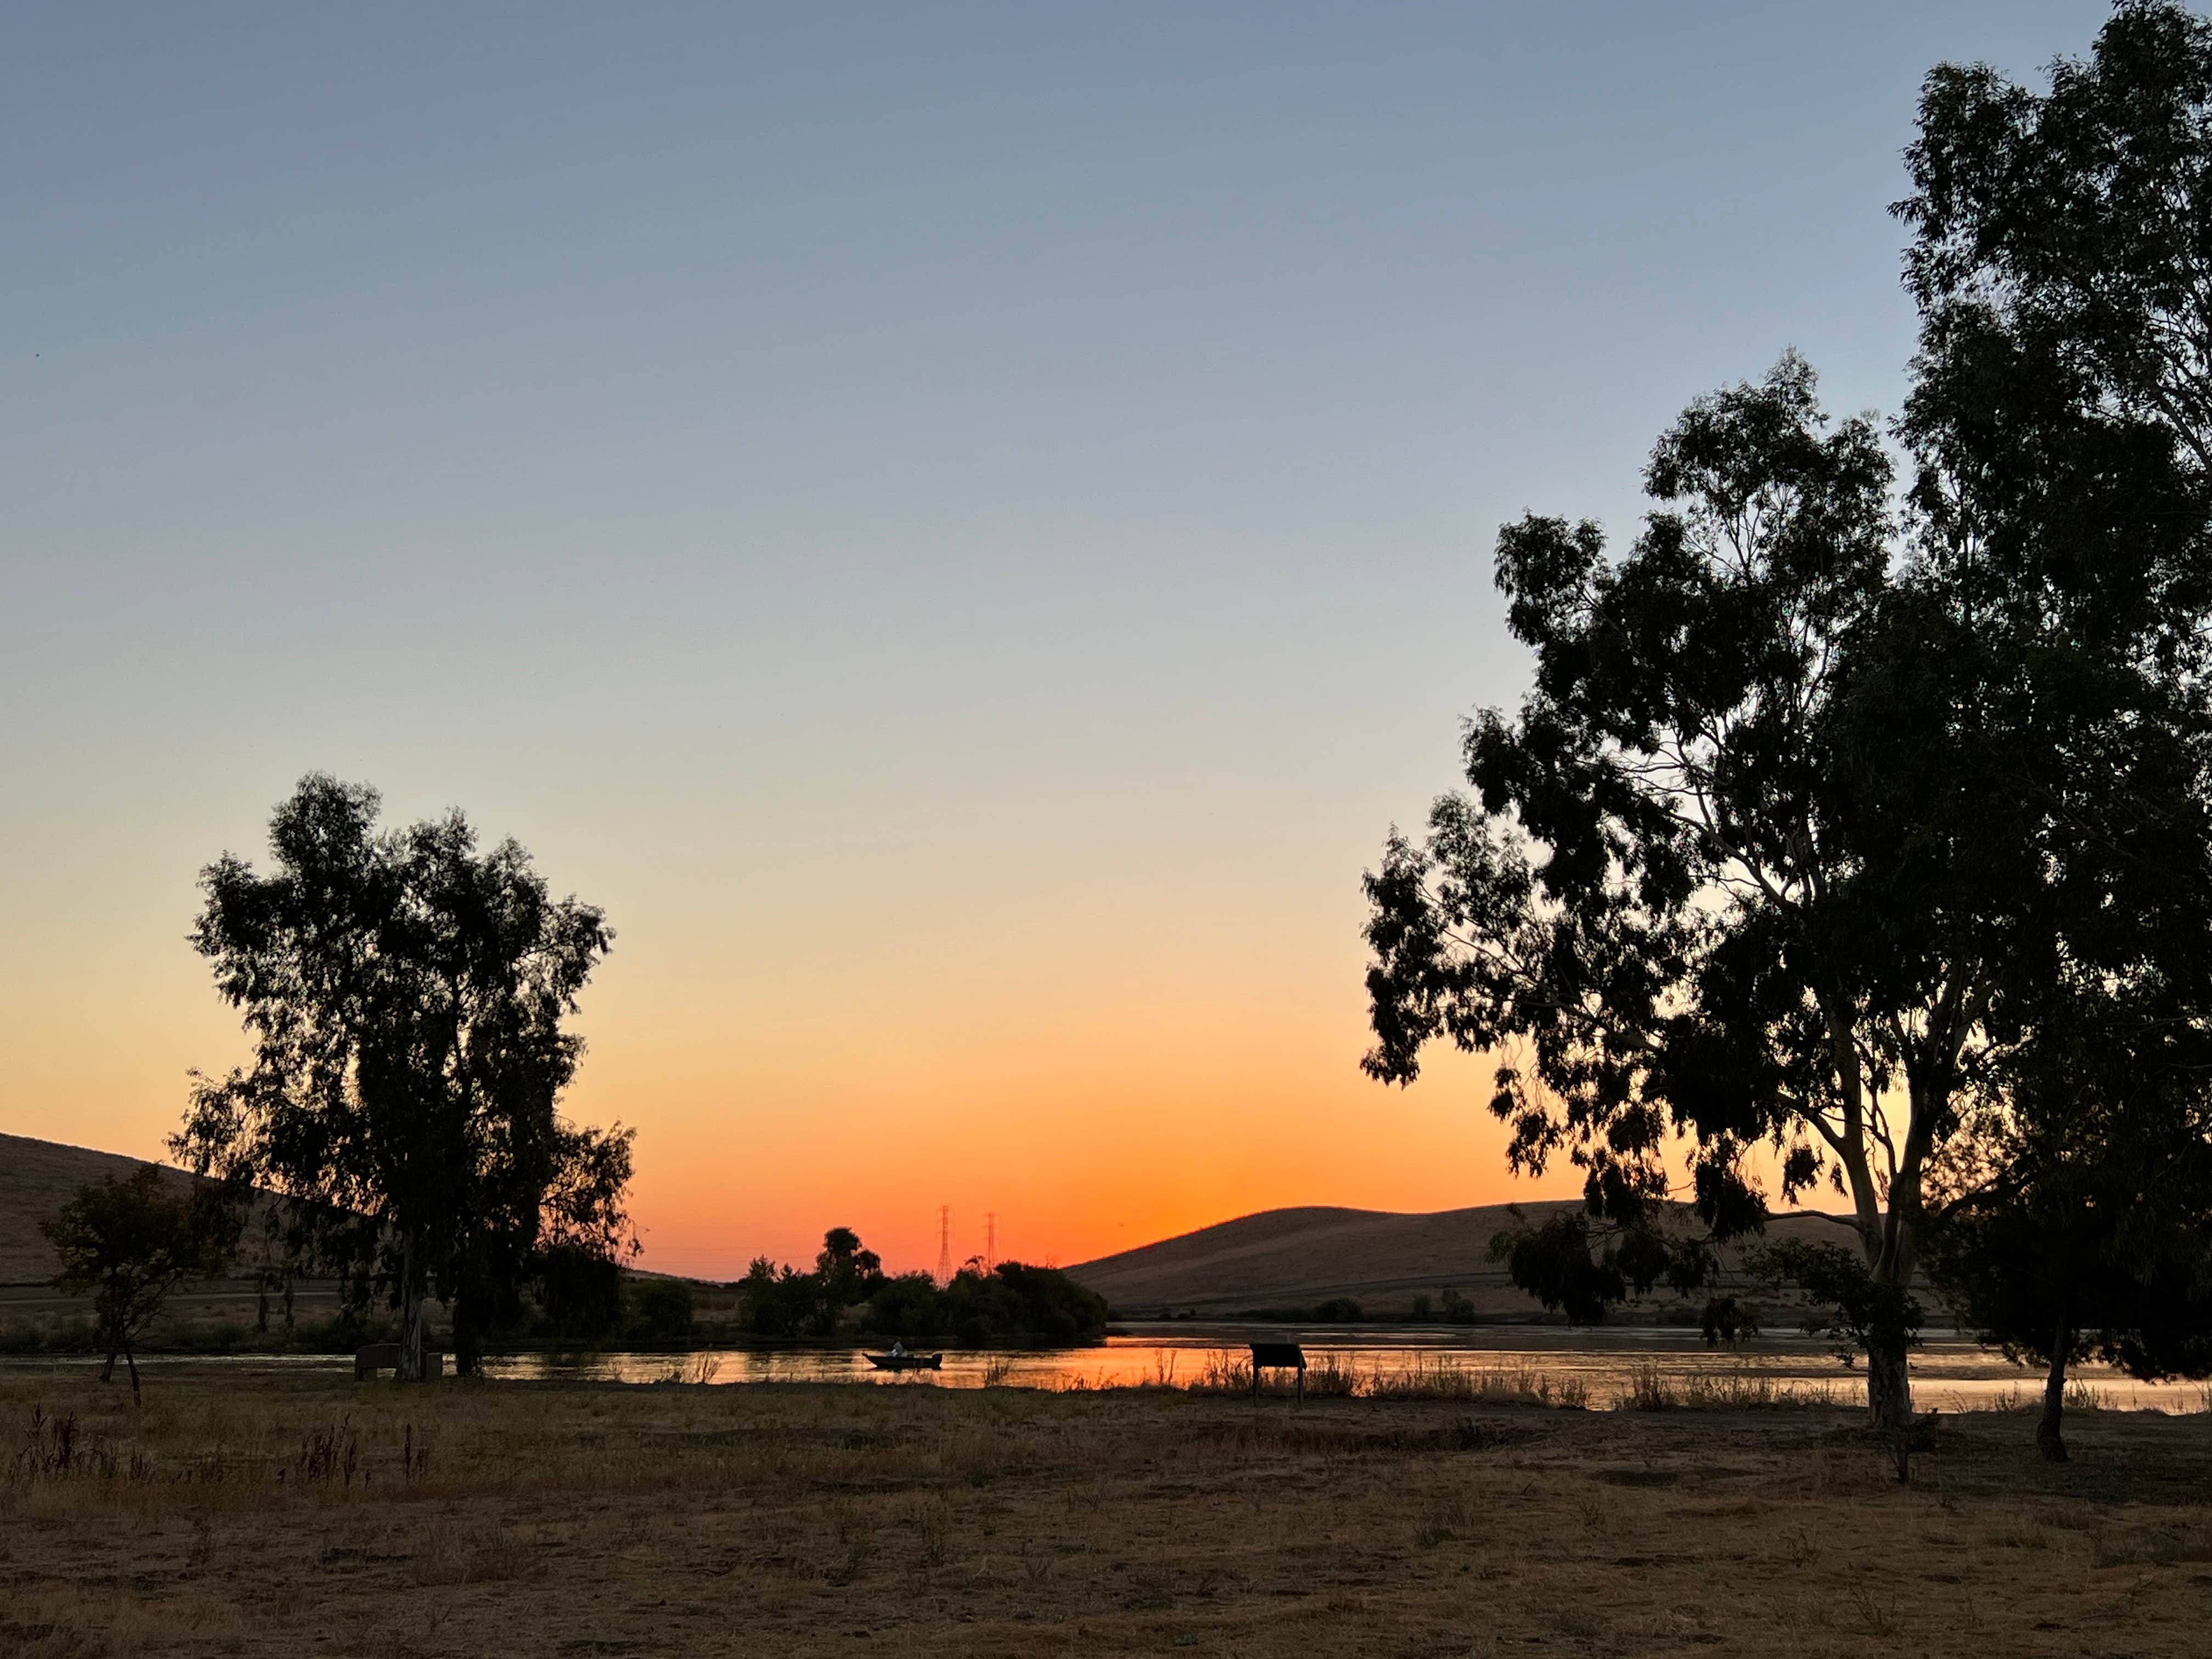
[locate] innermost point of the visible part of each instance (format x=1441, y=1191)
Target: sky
x=960, y=526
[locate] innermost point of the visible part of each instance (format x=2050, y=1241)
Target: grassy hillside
x=1296, y=1258
x=37, y=1177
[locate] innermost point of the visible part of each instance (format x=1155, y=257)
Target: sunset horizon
x=964, y=569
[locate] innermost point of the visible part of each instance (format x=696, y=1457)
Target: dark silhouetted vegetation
x=657, y=1312
x=1812, y=799
x=2081, y=1233
x=129, y=1243
x=1335, y=1310
x=1012, y=1301
x=579, y=1292
x=787, y=1302
x=408, y=995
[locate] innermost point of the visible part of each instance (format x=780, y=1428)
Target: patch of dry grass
x=263, y=1512
x=1648, y=1388
x=1420, y=1378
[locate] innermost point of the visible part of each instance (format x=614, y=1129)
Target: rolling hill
x=37, y=1177
x=1295, y=1258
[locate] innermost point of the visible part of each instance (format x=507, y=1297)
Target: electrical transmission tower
x=990, y=1241
x=945, y=1243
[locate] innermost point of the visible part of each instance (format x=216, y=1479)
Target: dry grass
x=1419, y=1377
x=1298, y=1258
x=1650, y=1389
x=257, y=1512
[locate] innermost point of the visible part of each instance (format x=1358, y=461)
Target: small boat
x=905, y=1362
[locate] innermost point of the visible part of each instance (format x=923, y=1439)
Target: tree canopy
x=1820, y=789
x=409, y=998
x=129, y=1243
x=2077, y=1219
x=1010, y=1299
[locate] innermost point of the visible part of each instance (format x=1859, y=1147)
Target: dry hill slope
x=37, y=1177
x=1296, y=1258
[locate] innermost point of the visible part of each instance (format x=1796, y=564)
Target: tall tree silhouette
x=1809, y=806
x=408, y=997
x=1649, y=908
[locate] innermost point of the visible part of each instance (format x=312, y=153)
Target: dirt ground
x=259, y=1512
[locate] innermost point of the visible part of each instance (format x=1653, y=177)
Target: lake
x=1948, y=1372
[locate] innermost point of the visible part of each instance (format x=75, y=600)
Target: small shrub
x=660, y=1312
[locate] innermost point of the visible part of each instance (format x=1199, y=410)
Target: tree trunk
x=410, y=1368
x=467, y=1348
x=2047, y=1436
x=414, y=1315
x=1889, y=1388
x=108, y=1370
x=130, y=1360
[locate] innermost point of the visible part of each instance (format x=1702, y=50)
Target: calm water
x=1948, y=1373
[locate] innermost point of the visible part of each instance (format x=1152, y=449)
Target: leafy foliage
x=1012, y=1300
x=1563, y=1266
x=2086, y=1231
x=787, y=1302
x=1850, y=1302
x=129, y=1243
x=1812, y=802
x=408, y=994
x=1652, y=909
x=579, y=1290
x=660, y=1312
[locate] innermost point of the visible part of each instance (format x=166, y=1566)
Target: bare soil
x=251, y=1511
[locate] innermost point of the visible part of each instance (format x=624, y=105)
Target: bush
x=778, y=1303
x=660, y=1312
x=581, y=1292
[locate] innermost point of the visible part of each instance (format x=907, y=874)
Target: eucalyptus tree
x=1650, y=907
x=1811, y=803
x=408, y=995
x=2062, y=414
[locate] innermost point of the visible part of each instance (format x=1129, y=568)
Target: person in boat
x=898, y=1350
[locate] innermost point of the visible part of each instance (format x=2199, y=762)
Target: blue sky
x=941, y=518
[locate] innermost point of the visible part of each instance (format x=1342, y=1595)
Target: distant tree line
x=1868, y=819
x=1007, y=1302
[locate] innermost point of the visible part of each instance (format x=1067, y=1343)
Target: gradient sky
x=961, y=526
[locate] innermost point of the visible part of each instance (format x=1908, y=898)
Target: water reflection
x=1948, y=1373
x=1599, y=1365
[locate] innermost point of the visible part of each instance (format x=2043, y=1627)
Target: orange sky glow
x=1099, y=1081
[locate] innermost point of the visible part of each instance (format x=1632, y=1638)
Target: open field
x=251, y=1512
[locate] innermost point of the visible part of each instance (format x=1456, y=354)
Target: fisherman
x=898, y=1350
